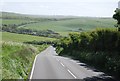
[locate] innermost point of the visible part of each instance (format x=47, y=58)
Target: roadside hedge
x=99, y=48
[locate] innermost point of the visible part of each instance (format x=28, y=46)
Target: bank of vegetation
x=17, y=56
x=99, y=48
x=17, y=59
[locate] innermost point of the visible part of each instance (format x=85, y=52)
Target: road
x=48, y=65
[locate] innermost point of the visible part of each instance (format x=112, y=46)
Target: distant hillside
x=11, y=15
x=58, y=24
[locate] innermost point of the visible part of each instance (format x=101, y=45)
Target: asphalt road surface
x=48, y=65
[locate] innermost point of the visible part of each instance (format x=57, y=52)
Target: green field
x=14, y=21
x=22, y=38
x=63, y=26
x=73, y=25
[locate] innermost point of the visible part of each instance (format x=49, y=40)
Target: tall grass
x=17, y=60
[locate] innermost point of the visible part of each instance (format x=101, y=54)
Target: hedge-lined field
x=99, y=48
x=62, y=25
x=6, y=36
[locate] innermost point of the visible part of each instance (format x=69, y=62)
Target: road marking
x=62, y=64
x=33, y=67
x=71, y=73
x=57, y=59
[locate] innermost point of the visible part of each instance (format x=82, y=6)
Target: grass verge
x=17, y=59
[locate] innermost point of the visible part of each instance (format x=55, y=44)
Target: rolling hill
x=60, y=24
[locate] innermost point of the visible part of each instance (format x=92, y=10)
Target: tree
x=117, y=17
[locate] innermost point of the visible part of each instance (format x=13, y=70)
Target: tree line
x=15, y=28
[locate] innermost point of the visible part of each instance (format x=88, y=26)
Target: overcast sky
x=94, y=8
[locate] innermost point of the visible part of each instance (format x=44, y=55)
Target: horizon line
x=55, y=15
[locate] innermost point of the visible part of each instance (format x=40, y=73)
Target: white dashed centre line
x=67, y=70
x=57, y=60
x=62, y=64
x=71, y=73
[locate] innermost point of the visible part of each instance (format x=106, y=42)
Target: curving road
x=48, y=65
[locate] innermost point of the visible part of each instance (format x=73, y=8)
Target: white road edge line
x=71, y=73
x=33, y=67
x=62, y=64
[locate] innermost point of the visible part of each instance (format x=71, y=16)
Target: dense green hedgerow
x=100, y=48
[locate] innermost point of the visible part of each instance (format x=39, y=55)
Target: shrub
x=99, y=48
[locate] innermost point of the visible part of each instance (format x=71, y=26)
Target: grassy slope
x=22, y=38
x=61, y=26
x=72, y=25
x=14, y=21
x=17, y=60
